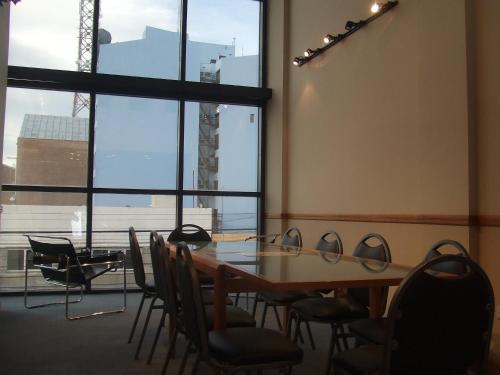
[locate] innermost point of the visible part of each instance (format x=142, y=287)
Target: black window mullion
x=182, y=107
x=90, y=169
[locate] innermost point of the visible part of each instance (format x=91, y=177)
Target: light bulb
x=375, y=7
x=296, y=61
x=308, y=52
x=327, y=39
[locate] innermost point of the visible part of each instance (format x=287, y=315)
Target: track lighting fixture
x=329, y=40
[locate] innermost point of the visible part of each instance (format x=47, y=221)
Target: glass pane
x=224, y=42
x=113, y=214
x=135, y=143
x=44, y=144
x=221, y=147
x=225, y=218
x=139, y=38
x=58, y=214
x=43, y=38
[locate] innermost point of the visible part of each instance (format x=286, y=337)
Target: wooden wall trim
x=457, y=220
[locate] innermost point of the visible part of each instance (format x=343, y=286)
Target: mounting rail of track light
x=330, y=40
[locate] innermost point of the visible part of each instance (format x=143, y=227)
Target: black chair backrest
x=451, y=267
x=440, y=325
x=155, y=264
x=381, y=252
x=292, y=237
x=193, y=233
x=56, y=250
x=191, y=300
x=166, y=282
x=62, y=248
x=333, y=246
x=137, y=262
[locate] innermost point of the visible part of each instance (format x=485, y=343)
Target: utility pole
x=84, y=61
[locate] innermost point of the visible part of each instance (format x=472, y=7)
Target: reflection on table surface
x=291, y=264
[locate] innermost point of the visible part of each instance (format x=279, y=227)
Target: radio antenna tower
x=84, y=61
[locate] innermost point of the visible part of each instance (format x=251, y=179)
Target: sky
x=43, y=38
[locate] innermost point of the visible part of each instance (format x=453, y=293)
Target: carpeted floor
x=42, y=341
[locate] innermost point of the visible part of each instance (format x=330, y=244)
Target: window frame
x=94, y=84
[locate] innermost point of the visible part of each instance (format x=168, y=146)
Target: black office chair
x=234, y=349
x=375, y=330
x=437, y=325
x=61, y=265
x=167, y=292
x=190, y=233
x=336, y=311
x=292, y=237
x=148, y=289
x=329, y=242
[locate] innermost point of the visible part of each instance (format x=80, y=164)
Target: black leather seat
x=375, y=330
x=250, y=346
x=317, y=309
x=242, y=349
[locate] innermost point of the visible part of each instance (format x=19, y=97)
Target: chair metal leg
x=184, y=358
x=309, y=333
x=344, y=337
x=278, y=320
x=170, y=351
x=43, y=304
x=264, y=313
x=297, y=329
x=136, y=318
x=254, y=308
x=77, y=317
x=194, y=370
x=158, y=330
x=333, y=340
x=143, y=333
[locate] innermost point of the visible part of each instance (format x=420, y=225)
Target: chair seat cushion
x=235, y=317
x=369, y=330
x=328, y=308
x=285, y=298
x=365, y=360
x=247, y=346
x=208, y=297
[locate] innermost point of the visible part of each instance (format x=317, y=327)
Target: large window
x=131, y=113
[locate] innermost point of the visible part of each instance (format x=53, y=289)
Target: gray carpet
x=42, y=341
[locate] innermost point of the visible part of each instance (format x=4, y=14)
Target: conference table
x=254, y=266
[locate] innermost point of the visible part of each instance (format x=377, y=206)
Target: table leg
x=376, y=302
x=220, y=296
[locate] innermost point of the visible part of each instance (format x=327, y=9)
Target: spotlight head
x=296, y=61
x=375, y=8
x=308, y=52
x=328, y=38
x=349, y=25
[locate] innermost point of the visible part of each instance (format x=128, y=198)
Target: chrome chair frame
x=69, y=285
